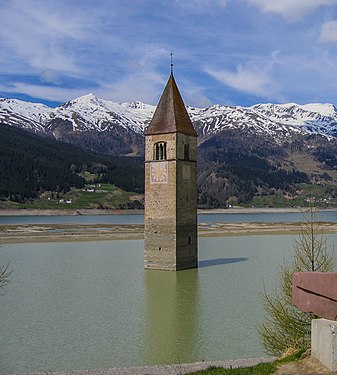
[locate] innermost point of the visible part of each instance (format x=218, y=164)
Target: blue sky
x=234, y=52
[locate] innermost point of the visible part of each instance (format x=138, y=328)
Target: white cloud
x=142, y=86
x=93, y=47
x=145, y=87
x=292, y=10
x=50, y=18
x=196, y=99
x=42, y=37
x=250, y=81
x=305, y=77
x=58, y=50
x=329, y=32
x=201, y=4
x=55, y=94
x=193, y=94
x=50, y=76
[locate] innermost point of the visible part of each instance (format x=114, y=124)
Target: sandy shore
x=82, y=211
x=66, y=212
x=12, y=233
x=15, y=233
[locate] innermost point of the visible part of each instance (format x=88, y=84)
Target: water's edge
x=180, y=369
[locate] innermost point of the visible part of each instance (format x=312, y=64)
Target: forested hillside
x=30, y=165
x=233, y=169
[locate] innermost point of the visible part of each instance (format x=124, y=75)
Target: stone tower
x=170, y=185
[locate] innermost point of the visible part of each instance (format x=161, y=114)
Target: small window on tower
x=186, y=152
x=189, y=240
x=160, y=151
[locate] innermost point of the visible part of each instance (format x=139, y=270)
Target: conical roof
x=170, y=115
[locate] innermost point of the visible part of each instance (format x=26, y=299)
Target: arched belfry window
x=159, y=151
x=186, y=152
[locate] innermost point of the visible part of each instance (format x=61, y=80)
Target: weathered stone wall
x=187, y=241
x=181, y=140
x=171, y=204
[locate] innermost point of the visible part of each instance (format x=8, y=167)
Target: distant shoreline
x=94, y=211
x=66, y=212
x=32, y=233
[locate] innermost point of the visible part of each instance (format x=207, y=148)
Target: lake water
x=139, y=219
x=85, y=305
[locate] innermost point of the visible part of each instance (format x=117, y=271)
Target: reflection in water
x=171, y=318
x=83, y=305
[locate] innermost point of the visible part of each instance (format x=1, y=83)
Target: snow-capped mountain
x=243, y=151
x=30, y=116
x=125, y=122
x=277, y=120
x=91, y=113
x=84, y=113
x=310, y=118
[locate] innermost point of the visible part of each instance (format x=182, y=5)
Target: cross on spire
x=171, y=55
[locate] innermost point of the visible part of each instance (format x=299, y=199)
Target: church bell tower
x=170, y=186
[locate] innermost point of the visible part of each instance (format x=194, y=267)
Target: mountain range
x=89, y=113
x=243, y=151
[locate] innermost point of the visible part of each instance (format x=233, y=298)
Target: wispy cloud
x=41, y=37
x=143, y=87
x=131, y=88
x=49, y=93
x=292, y=10
x=55, y=50
x=305, y=77
x=201, y=5
x=329, y=32
x=255, y=81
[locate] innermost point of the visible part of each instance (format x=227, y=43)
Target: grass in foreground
x=260, y=369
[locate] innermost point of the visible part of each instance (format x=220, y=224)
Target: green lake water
x=86, y=305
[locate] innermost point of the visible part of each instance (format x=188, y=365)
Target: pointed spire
x=171, y=115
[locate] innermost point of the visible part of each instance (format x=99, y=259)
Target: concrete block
x=324, y=342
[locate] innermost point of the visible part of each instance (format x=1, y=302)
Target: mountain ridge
x=243, y=152
x=89, y=112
